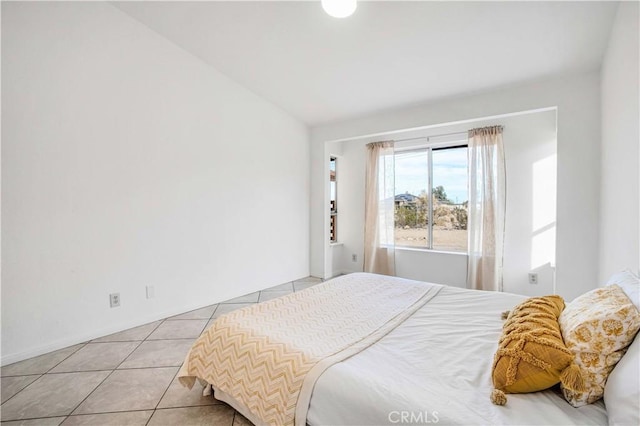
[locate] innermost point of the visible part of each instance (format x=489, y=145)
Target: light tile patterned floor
x=127, y=378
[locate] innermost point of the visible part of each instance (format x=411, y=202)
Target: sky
x=449, y=171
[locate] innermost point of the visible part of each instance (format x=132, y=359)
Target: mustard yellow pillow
x=598, y=327
x=531, y=355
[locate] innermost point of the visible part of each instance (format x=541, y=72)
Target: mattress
x=436, y=368
x=265, y=359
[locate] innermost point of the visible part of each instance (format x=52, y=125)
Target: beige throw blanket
x=265, y=359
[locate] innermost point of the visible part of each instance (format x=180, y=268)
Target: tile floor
x=127, y=378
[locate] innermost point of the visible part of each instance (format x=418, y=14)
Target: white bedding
x=436, y=368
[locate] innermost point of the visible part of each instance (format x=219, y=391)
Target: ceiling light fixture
x=339, y=8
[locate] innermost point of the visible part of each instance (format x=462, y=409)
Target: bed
x=424, y=356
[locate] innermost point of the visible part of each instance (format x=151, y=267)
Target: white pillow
x=622, y=391
x=629, y=283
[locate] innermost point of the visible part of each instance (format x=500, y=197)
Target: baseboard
x=343, y=272
x=82, y=338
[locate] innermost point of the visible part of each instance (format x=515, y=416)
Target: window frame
x=333, y=212
x=429, y=150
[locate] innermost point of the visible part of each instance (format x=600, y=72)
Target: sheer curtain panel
x=379, y=223
x=487, y=192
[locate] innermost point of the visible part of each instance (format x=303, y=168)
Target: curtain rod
x=464, y=133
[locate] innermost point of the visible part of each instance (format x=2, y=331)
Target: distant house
x=405, y=199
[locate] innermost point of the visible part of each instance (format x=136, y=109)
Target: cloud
x=449, y=171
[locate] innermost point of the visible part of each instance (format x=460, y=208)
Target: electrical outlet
x=151, y=293
x=533, y=278
x=354, y=257
x=114, y=300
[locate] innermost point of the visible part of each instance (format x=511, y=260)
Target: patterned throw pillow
x=597, y=327
x=531, y=355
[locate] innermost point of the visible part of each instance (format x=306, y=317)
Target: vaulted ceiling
x=388, y=54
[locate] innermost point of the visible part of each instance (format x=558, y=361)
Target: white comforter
x=436, y=368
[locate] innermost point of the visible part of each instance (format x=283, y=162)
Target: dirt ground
x=443, y=239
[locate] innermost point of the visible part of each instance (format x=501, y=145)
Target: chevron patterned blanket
x=265, y=359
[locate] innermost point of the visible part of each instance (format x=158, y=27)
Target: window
x=431, y=198
x=333, y=200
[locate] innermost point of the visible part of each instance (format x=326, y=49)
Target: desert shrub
x=405, y=216
x=461, y=216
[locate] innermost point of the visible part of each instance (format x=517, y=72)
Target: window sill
x=455, y=253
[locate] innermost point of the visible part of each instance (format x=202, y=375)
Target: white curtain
x=379, y=249
x=487, y=194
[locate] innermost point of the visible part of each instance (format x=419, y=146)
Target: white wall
x=619, y=210
x=432, y=266
x=530, y=221
x=128, y=162
x=577, y=98
x=530, y=153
